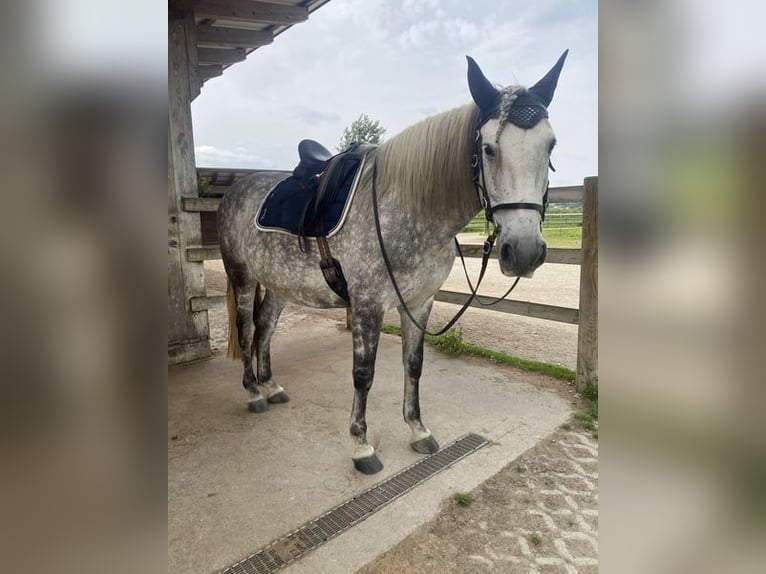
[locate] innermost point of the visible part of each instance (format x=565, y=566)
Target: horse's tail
x=234, y=351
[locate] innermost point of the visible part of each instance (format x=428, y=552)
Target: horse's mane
x=427, y=167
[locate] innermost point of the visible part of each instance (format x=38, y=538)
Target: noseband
x=477, y=170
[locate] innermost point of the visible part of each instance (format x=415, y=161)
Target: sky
x=400, y=61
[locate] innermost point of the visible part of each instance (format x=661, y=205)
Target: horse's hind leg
x=266, y=317
x=244, y=296
x=365, y=331
x=412, y=355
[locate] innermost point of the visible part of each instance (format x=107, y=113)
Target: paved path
x=538, y=515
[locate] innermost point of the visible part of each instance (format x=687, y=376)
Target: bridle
x=479, y=182
x=477, y=169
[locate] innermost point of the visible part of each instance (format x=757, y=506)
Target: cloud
x=436, y=31
x=398, y=61
x=208, y=155
x=315, y=117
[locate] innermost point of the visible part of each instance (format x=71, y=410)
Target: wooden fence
x=216, y=182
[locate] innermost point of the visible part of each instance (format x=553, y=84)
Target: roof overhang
x=227, y=31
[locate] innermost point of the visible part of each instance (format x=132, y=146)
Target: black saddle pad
x=289, y=207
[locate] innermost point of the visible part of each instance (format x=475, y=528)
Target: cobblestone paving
x=538, y=515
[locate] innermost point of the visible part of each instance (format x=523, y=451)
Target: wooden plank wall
x=188, y=331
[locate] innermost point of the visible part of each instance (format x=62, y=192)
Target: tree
x=362, y=130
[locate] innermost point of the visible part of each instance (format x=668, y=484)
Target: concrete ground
x=238, y=480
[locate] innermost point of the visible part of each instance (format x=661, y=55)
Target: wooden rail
x=586, y=317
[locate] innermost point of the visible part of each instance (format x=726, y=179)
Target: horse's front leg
x=412, y=355
x=365, y=331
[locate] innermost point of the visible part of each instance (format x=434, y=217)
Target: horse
x=422, y=187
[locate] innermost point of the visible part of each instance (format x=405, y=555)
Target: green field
x=563, y=237
x=562, y=227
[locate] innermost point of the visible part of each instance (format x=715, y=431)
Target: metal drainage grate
x=313, y=534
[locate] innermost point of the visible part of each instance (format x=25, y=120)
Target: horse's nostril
x=541, y=256
x=505, y=252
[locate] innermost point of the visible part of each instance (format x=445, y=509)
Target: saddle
x=314, y=201
x=313, y=158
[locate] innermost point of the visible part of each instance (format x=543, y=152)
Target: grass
x=452, y=343
x=587, y=419
x=563, y=237
x=535, y=539
x=463, y=499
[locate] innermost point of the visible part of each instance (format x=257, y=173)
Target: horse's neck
x=433, y=217
x=447, y=222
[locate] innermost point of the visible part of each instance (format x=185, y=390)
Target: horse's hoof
x=368, y=465
x=257, y=405
x=426, y=445
x=279, y=397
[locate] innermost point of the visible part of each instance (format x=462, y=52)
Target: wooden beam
x=219, y=190
x=563, y=256
x=565, y=193
x=587, y=334
x=251, y=11
x=196, y=254
x=526, y=308
x=188, y=332
x=180, y=8
x=213, y=37
x=555, y=255
x=209, y=71
x=200, y=204
x=205, y=303
x=220, y=55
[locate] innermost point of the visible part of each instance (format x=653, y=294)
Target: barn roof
x=228, y=30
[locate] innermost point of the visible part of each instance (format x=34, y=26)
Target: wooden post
x=188, y=331
x=587, y=334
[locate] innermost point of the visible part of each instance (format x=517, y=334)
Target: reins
x=470, y=285
x=486, y=250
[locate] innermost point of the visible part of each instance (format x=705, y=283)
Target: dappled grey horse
x=429, y=182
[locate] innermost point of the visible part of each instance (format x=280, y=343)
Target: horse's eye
x=489, y=150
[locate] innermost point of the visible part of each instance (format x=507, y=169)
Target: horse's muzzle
x=521, y=257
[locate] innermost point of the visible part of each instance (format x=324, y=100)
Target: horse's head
x=511, y=163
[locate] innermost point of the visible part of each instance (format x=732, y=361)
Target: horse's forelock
x=507, y=97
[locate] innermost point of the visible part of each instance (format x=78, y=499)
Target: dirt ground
x=540, y=513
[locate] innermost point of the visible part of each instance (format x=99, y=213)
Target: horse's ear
x=547, y=85
x=483, y=92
